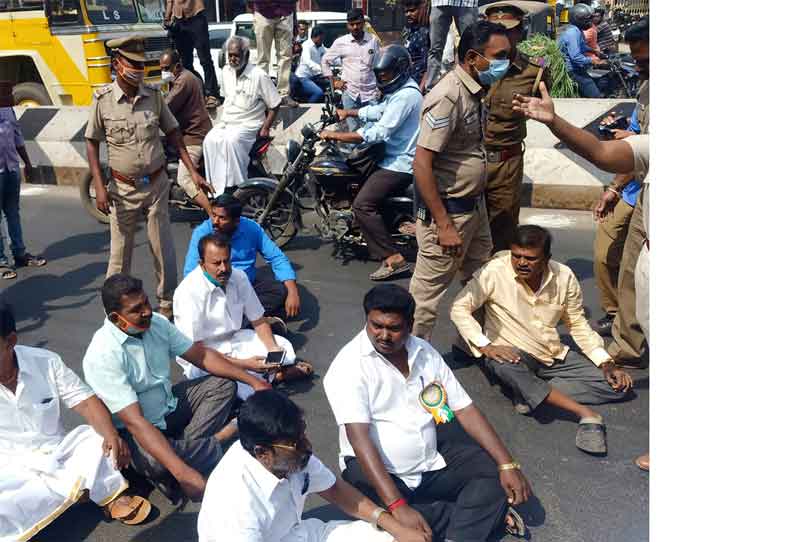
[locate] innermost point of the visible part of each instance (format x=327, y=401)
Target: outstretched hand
x=539, y=109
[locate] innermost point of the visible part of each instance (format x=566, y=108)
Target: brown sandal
x=301, y=369
x=128, y=509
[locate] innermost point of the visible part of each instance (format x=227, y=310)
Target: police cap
x=131, y=47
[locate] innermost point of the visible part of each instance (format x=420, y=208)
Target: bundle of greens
x=538, y=45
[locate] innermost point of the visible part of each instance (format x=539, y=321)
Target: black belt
x=454, y=206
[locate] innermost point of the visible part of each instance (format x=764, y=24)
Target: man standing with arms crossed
x=129, y=115
x=274, y=20
x=452, y=222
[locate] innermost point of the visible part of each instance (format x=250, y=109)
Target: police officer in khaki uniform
x=452, y=222
x=129, y=115
x=505, y=129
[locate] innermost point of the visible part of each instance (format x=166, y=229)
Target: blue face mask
x=496, y=70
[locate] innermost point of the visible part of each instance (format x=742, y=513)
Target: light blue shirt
x=573, y=48
x=123, y=369
x=395, y=121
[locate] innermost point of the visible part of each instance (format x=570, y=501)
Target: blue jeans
x=9, y=205
x=348, y=102
x=587, y=87
x=310, y=91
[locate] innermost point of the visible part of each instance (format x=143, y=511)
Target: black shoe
x=604, y=325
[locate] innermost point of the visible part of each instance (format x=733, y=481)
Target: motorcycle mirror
x=307, y=131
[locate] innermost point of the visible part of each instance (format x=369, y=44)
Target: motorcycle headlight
x=293, y=149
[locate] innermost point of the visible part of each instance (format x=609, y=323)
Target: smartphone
x=276, y=358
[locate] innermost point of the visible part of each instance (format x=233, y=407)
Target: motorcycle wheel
x=88, y=197
x=281, y=223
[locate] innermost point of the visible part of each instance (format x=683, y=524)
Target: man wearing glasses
x=525, y=294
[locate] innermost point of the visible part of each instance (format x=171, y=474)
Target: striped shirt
x=455, y=3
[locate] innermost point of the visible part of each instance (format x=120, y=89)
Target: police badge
x=433, y=399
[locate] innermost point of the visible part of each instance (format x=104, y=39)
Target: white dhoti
x=243, y=344
x=38, y=486
x=226, y=159
x=314, y=530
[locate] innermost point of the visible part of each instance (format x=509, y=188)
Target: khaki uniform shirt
x=131, y=128
x=517, y=316
x=182, y=9
x=451, y=127
x=504, y=126
x=644, y=113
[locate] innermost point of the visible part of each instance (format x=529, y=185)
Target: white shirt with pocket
x=248, y=97
x=309, y=65
x=364, y=387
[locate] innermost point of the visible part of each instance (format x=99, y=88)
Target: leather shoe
x=604, y=325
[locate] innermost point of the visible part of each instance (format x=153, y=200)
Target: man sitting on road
x=395, y=122
x=309, y=72
x=525, y=295
x=174, y=432
x=258, y=491
x=185, y=99
x=209, y=306
x=388, y=390
x=279, y=295
x=43, y=469
x=249, y=111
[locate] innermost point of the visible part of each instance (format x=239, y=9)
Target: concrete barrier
x=553, y=176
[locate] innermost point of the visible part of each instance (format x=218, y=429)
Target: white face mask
x=167, y=77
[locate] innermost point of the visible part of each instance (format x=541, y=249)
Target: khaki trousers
x=266, y=31
x=129, y=204
x=607, y=252
x=626, y=331
x=503, y=197
x=435, y=270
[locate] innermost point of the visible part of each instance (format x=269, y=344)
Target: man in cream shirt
x=209, y=306
x=526, y=295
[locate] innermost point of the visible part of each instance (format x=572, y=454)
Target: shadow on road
x=85, y=243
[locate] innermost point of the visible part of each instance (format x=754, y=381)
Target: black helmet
x=581, y=16
x=397, y=60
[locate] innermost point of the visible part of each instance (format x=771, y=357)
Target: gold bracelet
x=376, y=514
x=510, y=466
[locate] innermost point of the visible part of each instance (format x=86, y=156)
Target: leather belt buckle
x=493, y=156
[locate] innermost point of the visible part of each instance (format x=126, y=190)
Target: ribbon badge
x=433, y=399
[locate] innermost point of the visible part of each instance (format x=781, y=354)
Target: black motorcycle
x=254, y=194
x=328, y=182
x=618, y=78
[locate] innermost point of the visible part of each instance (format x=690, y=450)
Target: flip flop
x=591, y=437
x=643, y=462
x=29, y=260
x=517, y=528
x=6, y=273
x=386, y=271
x=128, y=509
x=301, y=369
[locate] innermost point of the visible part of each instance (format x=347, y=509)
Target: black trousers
x=463, y=502
x=271, y=293
x=193, y=33
x=377, y=187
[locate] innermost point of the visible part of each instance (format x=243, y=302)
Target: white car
x=334, y=23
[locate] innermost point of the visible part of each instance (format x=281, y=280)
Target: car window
x=217, y=37
x=246, y=30
x=333, y=31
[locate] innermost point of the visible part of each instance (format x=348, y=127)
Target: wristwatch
x=510, y=466
x=376, y=514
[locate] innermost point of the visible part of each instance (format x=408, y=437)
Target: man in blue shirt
x=573, y=48
x=174, y=433
x=395, y=122
x=279, y=296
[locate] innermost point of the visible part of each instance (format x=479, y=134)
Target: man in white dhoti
x=249, y=111
x=209, y=306
x=258, y=490
x=43, y=469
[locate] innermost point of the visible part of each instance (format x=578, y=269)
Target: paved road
x=579, y=498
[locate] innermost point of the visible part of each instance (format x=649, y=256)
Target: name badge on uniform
x=433, y=399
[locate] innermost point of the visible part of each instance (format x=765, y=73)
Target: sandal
x=643, y=462
x=386, y=271
x=514, y=523
x=29, y=260
x=301, y=369
x=591, y=437
x=6, y=273
x=128, y=509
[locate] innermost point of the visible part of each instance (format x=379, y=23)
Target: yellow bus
x=54, y=50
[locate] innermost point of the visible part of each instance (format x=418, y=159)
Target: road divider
x=553, y=176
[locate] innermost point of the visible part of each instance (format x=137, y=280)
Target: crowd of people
x=225, y=435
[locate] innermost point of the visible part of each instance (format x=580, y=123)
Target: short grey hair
x=243, y=42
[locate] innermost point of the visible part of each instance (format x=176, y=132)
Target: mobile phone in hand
x=276, y=357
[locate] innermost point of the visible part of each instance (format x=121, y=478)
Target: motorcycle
x=254, y=194
x=618, y=78
x=327, y=181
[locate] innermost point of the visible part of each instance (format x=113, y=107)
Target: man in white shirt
x=249, y=110
x=388, y=390
x=43, y=469
x=309, y=72
x=258, y=490
x=209, y=305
